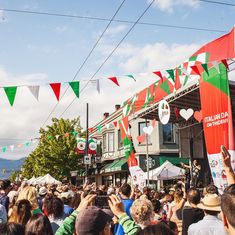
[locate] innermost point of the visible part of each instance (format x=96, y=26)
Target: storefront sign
x=164, y=112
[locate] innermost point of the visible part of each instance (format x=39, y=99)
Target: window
x=120, y=143
x=105, y=142
x=168, y=133
x=110, y=142
x=141, y=125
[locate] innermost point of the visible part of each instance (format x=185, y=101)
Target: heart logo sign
x=186, y=114
x=148, y=130
x=141, y=138
x=164, y=112
x=198, y=115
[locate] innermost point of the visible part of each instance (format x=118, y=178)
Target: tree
x=55, y=153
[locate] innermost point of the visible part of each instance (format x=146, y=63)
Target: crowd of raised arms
x=100, y=210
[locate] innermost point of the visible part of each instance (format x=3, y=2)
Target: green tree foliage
x=56, y=156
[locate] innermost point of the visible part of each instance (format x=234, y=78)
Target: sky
x=37, y=49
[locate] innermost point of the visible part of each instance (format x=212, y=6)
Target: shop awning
x=117, y=165
x=173, y=160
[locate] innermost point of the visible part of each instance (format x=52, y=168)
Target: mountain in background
x=7, y=167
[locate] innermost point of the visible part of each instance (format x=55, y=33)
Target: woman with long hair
x=21, y=212
x=38, y=224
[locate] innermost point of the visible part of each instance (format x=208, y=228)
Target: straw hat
x=42, y=191
x=210, y=202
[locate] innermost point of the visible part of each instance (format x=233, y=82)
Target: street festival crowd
x=100, y=210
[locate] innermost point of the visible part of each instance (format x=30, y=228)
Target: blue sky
x=38, y=49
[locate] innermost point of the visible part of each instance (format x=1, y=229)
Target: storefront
x=115, y=173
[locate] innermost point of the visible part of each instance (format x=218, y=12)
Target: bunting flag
x=74, y=133
x=11, y=93
x=114, y=80
x=131, y=76
x=115, y=124
x=171, y=73
x=96, y=83
x=12, y=148
x=225, y=63
x=177, y=79
x=75, y=87
x=99, y=129
x=216, y=65
x=56, y=88
x=159, y=74
x=57, y=137
x=26, y=144
x=195, y=69
x=66, y=134
x=205, y=67
x=35, y=91
x=4, y=149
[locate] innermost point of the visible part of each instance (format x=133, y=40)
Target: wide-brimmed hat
x=42, y=191
x=91, y=220
x=210, y=202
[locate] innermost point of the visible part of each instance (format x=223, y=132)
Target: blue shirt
x=118, y=230
x=68, y=210
x=209, y=225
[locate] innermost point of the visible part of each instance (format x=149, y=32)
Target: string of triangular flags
x=75, y=85
x=13, y=147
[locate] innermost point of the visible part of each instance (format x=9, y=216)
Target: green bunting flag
x=99, y=129
x=26, y=144
x=4, y=149
x=11, y=93
x=171, y=73
x=75, y=87
x=74, y=133
x=205, y=67
x=131, y=76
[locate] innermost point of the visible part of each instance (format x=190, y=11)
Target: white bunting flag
x=35, y=91
x=96, y=83
x=12, y=148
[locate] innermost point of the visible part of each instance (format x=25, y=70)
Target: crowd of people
x=100, y=210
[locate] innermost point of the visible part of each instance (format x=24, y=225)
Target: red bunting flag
x=90, y=129
x=56, y=88
x=195, y=69
x=225, y=63
x=114, y=80
x=159, y=74
x=115, y=124
x=66, y=134
x=177, y=79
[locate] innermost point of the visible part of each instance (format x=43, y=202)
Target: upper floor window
x=120, y=143
x=108, y=142
x=168, y=133
x=141, y=125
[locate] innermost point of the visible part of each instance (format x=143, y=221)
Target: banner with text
x=217, y=120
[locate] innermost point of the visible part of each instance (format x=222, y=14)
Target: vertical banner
x=217, y=120
x=136, y=172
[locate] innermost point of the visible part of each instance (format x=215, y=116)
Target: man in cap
x=42, y=193
x=210, y=224
x=90, y=220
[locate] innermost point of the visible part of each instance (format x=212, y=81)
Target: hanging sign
x=81, y=146
x=164, y=112
x=87, y=160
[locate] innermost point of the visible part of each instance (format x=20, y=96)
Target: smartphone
x=224, y=150
x=101, y=201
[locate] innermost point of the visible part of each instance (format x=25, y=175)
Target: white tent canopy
x=46, y=179
x=165, y=172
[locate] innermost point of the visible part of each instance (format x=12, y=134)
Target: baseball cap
x=91, y=221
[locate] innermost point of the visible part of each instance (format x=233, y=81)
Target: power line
x=220, y=3
x=117, y=20
x=111, y=53
x=87, y=57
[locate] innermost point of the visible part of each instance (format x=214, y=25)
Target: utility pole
x=87, y=137
x=147, y=153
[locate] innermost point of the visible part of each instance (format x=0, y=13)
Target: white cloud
x=47, y=49
x=168, y=5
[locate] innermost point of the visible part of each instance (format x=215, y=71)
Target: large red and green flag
x=127, y=142
x=217, y=120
